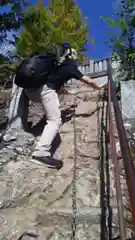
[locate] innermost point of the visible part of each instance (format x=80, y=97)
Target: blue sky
x=98, y=29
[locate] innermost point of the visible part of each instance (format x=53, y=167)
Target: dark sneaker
x=49, y=162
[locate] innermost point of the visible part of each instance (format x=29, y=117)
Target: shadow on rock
x=37, y=129
x=67, y=114
x=56, y=143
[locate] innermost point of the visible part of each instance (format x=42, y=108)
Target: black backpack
x=34, y=70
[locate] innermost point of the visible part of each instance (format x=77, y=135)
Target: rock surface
x=36, y=202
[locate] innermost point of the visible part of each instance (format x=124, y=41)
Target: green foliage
x=118, y=91
x=44, y=27
x=122, y=40
x=12, y=19
x=7, y=68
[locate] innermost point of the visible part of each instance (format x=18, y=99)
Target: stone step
x=91, y=215
x=40, y=199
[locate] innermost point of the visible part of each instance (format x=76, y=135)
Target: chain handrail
x=74, y=207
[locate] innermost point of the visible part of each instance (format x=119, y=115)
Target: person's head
x=65, y=51
x=69, y=52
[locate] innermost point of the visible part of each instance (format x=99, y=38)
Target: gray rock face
x=36, y=202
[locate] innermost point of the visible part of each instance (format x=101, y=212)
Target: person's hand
x=71, y=92
x=67, y=91
x=102, y=85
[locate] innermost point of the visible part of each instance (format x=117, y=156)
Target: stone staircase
x=38, y=201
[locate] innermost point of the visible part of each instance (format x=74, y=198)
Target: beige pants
x=50, y=101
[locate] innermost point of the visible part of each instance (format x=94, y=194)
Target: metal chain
x=74, y=206
x=98, y=120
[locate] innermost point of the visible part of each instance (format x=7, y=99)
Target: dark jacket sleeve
x=76, y=73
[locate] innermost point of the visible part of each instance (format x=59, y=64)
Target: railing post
x=116, y=169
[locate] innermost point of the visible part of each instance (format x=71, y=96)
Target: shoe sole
x=43, y=164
